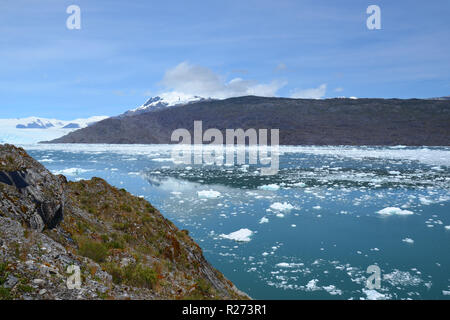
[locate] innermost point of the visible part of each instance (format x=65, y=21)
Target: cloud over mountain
x=312, y=93
x=188, y=79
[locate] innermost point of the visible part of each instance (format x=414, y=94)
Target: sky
x=128, y=51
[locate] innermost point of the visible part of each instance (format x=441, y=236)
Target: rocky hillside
x=301, y=121
x=124, y=247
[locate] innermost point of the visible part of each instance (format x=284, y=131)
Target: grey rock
x=10, y=282
x=36, y=222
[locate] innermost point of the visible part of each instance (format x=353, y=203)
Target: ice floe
x=394, y=211
x=208, y=194
x=242, y=235
x=312, y=285
x=408, y=240
x=282, y=207
x=264, y=220
x=332, y=290
x=372, y=294
x=402, y=278
x=270, y=187
x=71, y=171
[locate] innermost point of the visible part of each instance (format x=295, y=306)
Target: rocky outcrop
x=123, y=246
x=41, y=194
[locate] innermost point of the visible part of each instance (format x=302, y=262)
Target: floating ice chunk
x=402, y=278
x=447, y=227
x=46, y=160
x=242, y=235
x=394, y=210
x=283, y=265
x=312, y=285
x=163, y=159
x=71, y=171
x=264, y=220
x=317, y=207
x=293, y=225
x=270, y=187
x=280, y=215
x=446, y=293
x=332, y=290
x=208, y=194
x=374, y=294
x=299, y=184
x=283, y=207
x=288, y=265
x=425, y=201
x=408, y=240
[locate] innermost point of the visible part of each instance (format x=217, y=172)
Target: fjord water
x=315, y=226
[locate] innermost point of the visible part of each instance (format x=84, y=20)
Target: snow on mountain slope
x=164, y=100
x=33, y=129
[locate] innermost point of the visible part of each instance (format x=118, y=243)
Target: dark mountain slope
x=301, y=121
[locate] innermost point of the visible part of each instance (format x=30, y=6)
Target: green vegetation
x=94, y=250
x=5, y=294
x=3, y=272
x=202, y=290
x=135, y=274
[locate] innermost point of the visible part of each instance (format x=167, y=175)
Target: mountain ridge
x=158, y=103
x=338, y=121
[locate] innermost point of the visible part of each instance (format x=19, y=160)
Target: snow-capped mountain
x=163, y=101
x=33, y=129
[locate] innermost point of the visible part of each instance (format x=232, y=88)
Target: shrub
x=3, y=272
x=203, y=290
x=116, y=241
x=122, y=226
x=140, y=276
x=5, y=294
x=137, y=275
x=94, y=250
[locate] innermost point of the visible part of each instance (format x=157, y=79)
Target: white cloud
x=187, y=79
x=312, y=93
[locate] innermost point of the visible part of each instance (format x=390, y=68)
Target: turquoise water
x=315, y=226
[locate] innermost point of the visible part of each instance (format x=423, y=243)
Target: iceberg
x=269, y=187
x=283, y=207
x=394, y=210
x=242, y=235
x=208, y=194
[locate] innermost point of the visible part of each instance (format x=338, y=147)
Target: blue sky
x=127, y=51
